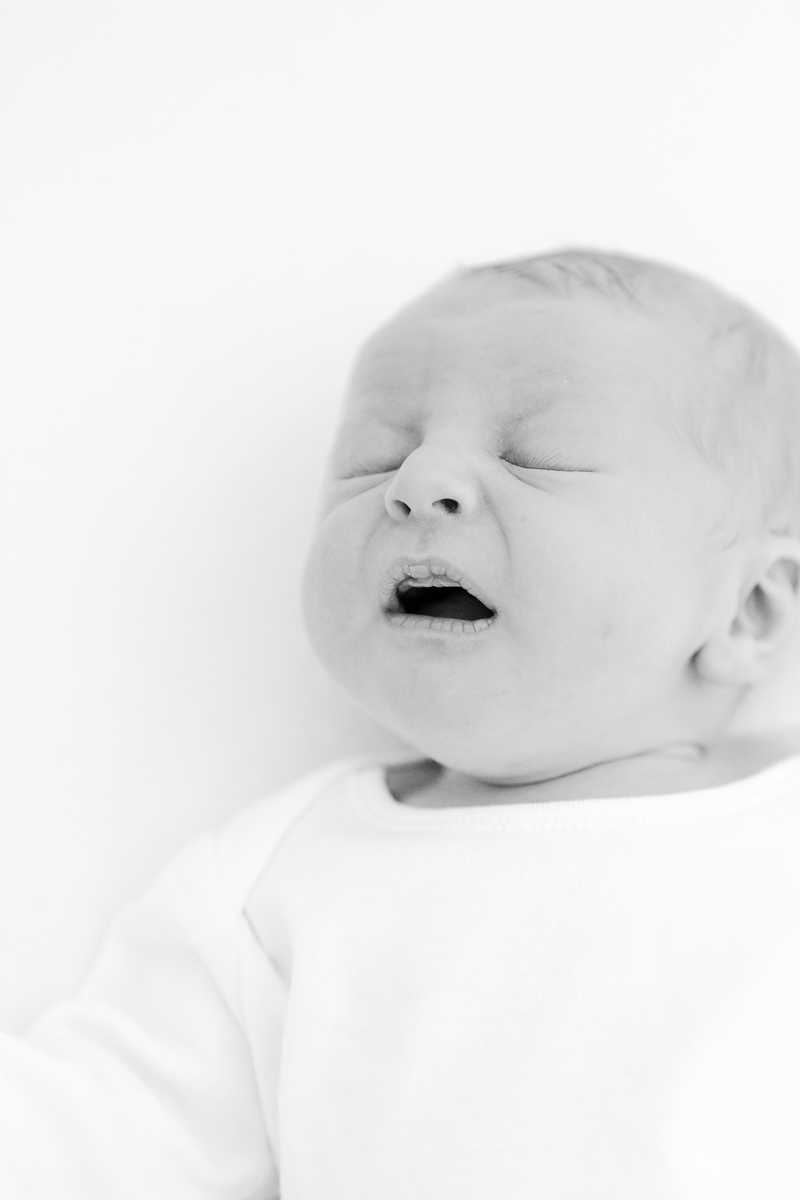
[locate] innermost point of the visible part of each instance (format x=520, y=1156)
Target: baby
x=552, y=950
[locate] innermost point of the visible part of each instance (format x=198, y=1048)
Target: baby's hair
x=746, y=420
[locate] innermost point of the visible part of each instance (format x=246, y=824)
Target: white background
x=204, y=208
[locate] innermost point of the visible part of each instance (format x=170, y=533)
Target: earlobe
x=728, y=661
x=764, y=622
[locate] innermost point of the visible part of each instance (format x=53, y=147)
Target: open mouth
x=438, y=600
x=432, y=595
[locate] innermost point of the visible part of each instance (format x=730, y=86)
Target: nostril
x=399, y=509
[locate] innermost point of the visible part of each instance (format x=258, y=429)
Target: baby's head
x=561, y=523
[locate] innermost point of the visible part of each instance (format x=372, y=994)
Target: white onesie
x=574, y=1000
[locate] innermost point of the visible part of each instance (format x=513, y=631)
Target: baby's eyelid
x=547, y=463
x=367, y=472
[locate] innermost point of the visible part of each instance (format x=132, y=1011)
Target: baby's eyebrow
x=533, y=402
x=370, y=417
x=536, y=412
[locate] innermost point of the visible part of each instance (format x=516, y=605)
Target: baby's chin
x=470, y=735
x=463, y=715
x=506, y=736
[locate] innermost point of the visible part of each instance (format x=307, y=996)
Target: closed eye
x=547, y=463
x=364, y=472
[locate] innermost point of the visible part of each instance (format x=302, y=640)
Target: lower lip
x=412, y=623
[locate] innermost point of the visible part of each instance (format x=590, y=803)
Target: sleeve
x=143, y=1084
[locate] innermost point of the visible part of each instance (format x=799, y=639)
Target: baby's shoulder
x=246, y=843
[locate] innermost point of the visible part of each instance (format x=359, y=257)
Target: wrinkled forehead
x=517, y=354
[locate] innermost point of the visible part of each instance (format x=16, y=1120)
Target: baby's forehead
x=519, y=349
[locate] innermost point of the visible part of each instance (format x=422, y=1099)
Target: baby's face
x=522, y=447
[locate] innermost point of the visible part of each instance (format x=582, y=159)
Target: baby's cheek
x=332, y=595
x=586, y=607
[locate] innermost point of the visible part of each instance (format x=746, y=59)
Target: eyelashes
x=546, y=463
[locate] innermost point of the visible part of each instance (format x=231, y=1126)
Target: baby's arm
x=143, y=1085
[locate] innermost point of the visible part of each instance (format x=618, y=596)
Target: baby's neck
x=683, y=767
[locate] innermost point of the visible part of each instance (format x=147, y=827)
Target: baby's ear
x=764, y=622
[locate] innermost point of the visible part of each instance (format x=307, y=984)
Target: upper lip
x=408, y=566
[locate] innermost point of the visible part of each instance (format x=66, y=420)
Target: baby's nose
x=432, y=484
